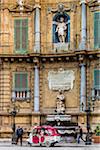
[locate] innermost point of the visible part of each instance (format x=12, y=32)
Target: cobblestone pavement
x=60, y=146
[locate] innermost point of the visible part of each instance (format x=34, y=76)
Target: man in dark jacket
x=19, y=134
x=80, y=136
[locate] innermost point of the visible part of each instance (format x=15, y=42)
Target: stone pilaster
x=82, y=45
x=83, y=88
x=36, y=89
x=37, y=29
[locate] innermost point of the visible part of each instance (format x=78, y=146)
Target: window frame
x=21, y=89
x=21, y=49
x=96, y=87
x=96, y=45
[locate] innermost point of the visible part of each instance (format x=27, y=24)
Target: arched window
x=64, y=21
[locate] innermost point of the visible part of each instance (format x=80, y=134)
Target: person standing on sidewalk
x=19, y=134
x=80, y=135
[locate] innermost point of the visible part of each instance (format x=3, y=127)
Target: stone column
x=72, y=26
x=36, y=89
x=83, y=88
x=37, y=29
x=82, y=45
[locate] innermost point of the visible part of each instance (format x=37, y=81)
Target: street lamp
x=88, y=113
x=13, y=110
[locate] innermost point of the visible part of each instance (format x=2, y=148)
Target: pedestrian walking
x=80, y=135
x=19, y=135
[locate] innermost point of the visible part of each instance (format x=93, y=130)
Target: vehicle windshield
x=45, y=131
x=51, y=131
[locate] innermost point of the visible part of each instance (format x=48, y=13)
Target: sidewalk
x=7, y=142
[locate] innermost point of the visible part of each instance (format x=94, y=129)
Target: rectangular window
x=97, y=30
x=21, y=34
x=21, y=81
x=97, y=83
x=20, y=89
x=97, y=79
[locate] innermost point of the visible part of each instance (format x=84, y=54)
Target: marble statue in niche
x=61, y=29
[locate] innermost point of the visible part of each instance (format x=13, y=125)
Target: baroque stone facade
x=35, y=64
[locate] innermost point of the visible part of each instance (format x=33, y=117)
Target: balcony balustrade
x=21, y=95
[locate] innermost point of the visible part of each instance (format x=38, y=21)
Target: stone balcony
x=21, y=94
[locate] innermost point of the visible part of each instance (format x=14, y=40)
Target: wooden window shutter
x=21, y=34
x=97, y=79
x=21, y=81
x=24, y=80
x=24, y=33
x=17, y=34
x=97, y=30
x=17, y=81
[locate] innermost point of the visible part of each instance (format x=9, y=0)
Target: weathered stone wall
x=27, y=117
x=49, y=96
x=47, y=10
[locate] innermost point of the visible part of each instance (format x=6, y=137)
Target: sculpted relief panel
x=61, y=79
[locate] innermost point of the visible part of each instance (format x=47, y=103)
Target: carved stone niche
x=60, y=28
x=61, y=79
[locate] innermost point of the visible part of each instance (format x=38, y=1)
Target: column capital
x=37, y=6
x=83, y=2
x=36, y=66
x=36, y=60
x=82, y=64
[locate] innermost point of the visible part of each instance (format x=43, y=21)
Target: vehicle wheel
x=29, y=144
x=41, y=145
x=47, y=144
x=52, y=145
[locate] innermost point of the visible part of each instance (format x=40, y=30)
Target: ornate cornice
x=18, y=7
x=60, y=9
x=94, y=5
x=36, y=59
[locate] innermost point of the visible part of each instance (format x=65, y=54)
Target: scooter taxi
x=44, y=136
